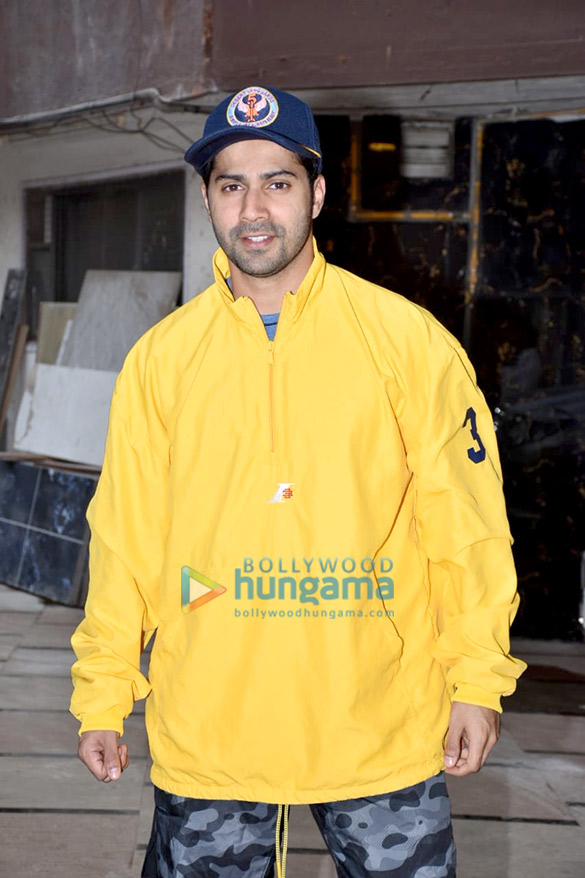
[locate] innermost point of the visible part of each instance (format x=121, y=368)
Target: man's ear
x=318, y=195
x=205, y=198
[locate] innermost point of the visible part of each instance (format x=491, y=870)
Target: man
x=310, y=516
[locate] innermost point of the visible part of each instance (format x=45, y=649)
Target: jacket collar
x=310, y=286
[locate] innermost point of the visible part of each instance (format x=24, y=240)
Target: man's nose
x=254, y=205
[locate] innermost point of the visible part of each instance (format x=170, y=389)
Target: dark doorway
x=133, y=224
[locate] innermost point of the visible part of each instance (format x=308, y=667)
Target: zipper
x=271, y=372
x=271, y=392
x=270, y=367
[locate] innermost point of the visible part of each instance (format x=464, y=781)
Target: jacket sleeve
x=461, y=522
x=128, y=519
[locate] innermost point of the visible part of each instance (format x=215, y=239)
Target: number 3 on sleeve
x=474, y=454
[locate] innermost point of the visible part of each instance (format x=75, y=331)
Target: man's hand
x=102, y=755
x=473, y=731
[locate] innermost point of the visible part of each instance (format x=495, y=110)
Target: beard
x=287, y=244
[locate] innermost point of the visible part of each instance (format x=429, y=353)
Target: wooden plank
x=53, y=320
x=13, y=370
x=10, y=320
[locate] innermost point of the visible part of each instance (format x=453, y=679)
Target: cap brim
x=205, y=149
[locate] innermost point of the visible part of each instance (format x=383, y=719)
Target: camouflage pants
x=404, y=834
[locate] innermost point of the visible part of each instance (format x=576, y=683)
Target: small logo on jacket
x=197, y=589
x=284, y=492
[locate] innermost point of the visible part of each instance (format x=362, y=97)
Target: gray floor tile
x=15, y=623
x=30, y=693
x=144, y=823
x=66, y=845
x=146, y=812
x=23, y=732
x=572, y=663
x=310, y=866
x=12, y=600
x=536, y=648
x=61, y=782
x=48, y=636
x=303, y=829
x=16, y=667
x=508, y=791
x=578, y=812
x=53, y=614
x=506, y=751
x=546, y=731
x=41, y=655
x=516, y=850
x=8, y=643
x=139, y=707
x=44, y=662
x=565, y=775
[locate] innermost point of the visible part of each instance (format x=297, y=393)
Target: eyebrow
x=267, y=175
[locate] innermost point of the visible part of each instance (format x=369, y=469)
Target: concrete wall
x=345, y=43
x=63, y=52
x=75, y=51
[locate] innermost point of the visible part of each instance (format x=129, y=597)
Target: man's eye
x=231, y=187
x=279, y=184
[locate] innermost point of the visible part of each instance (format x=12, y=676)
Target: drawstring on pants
x=281, y=858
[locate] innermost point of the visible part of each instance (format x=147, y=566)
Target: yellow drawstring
x=281, y=859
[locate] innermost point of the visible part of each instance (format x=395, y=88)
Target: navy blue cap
x=258, y=112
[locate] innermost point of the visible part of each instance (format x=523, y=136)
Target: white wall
x=78, y=152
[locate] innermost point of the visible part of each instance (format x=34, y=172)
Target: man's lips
x=257, y=240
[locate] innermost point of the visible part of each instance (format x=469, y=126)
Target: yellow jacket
x=316, y=530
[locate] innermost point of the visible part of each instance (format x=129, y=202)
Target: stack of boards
x=81, y=348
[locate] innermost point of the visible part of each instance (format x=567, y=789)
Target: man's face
x=261, y=206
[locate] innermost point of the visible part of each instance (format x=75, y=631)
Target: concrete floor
x=521, y=817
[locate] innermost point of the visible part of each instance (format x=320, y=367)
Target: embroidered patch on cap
x=253, y=106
